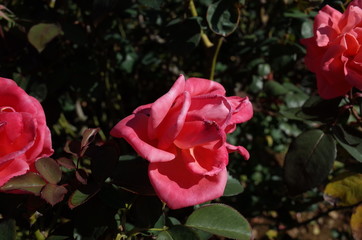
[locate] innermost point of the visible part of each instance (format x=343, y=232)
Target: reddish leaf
x=30, y=182
x=53, y=193
x=49, y=169
x=66, y=162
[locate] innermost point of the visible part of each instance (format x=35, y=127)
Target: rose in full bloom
x=183, y=136
x=24, y=135
x=334, y=53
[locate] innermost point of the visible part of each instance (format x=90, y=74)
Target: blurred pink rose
x=334, y=52
x=183, y=136
x=24, y=135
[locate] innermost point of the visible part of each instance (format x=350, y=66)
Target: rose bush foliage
x=183, y=136
x=334, y=52
x=24, y=135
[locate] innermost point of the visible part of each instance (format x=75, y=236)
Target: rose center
x=6, y=109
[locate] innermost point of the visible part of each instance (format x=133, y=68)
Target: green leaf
x=349, y=140
x=274, y=88
x=49, y=169
x=41, y=34
x=307, y=29
x=8, y=229
x=309, y=160
x=233, y=187
x=30, y=182
x=178, y=232
x=223, y=17
x=53, y=193
x=78, y=198
x=221, y=220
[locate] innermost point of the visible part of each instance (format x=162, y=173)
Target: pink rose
x=183, y=136
x=24, y=135
x=334, y=52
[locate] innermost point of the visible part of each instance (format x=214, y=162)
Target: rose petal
x=200, y=86
x=351, y=18
x=178, y=187
x=162, y=105
x=210, y=108
x=134, y=130
x=240, y=149
x=173, y=123
x=242, y=109
x=17, y=134
x=326, y=25
x=197, y=133
x=13, y=168
x=205, y=161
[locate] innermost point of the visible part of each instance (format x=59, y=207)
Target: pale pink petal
x=200, y=86
x=161, y=106
x=178, y=187
x=134, y=130
x=240, y=149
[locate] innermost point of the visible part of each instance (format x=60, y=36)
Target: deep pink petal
x=134, y=130
x=210, y=108
x=328, y=91
x=200, y=86
x=242, y=109
x=16, y=167
x=330, y=17
x=197, y=133
x=205, y=160
x=173, y=122
x=240, y=149
x=161, y=106
x=178, y=187
x=314, y=54
x=352, y=17
x=17, y=134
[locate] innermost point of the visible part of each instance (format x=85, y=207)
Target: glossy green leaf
x=49, y=169
x=220, y=219
x=8, y=229
x=178, y=232
x=30, y=182
x=349, y=140
x=309, y=160
x=41, y=34
x=223, y=17
x=233, y=187
x=53, y=193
